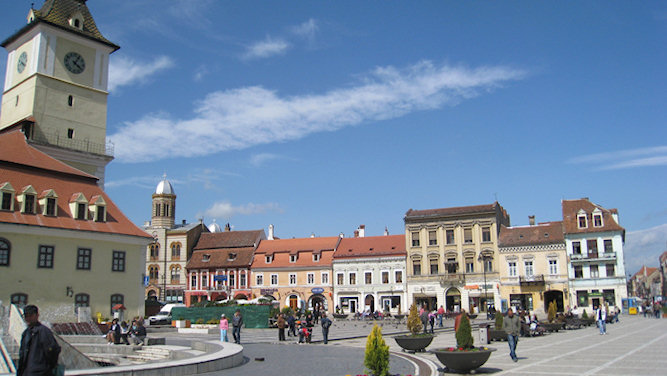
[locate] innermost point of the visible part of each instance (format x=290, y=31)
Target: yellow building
x=533, y=267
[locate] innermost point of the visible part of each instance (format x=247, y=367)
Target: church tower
x=56, y=85
x=164, y=205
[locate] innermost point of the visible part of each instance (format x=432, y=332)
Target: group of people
x=237, y=323
x=123, y=332
x=302, y=328
x=651, y=310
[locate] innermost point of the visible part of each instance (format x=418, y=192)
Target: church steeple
x=164, y=205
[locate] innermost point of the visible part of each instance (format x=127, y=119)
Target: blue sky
x=321, y=116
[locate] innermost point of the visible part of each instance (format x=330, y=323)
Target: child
x=224, y=326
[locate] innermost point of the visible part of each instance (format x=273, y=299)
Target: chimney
x=270, y=237
x=184, y=222
x=531, y=220
x=361, y=230
x=356, y=233
x=228, y=227
x=386, y=231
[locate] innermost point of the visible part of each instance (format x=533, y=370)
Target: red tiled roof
x=22, y=165
x=219, y=258
x=543, y=233
x=371, y=246
x=229, y=239
x=570, y=222
x=303, y=247
x=644, y=271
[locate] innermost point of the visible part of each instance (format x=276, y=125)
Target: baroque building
x=452, y=256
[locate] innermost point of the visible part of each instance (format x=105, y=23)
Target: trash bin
x=484, y=334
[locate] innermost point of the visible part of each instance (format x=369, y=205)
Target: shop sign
x=267, y=291
x=317, y=290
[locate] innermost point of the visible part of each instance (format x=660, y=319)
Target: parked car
x=164, y=316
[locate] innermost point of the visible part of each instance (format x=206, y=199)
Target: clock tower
x=56, y=85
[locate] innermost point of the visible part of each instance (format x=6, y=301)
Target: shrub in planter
x=499, y=321
x=415, y=325
x=199, y=321
x=213, y=322
x=376, y=358
x=415, y=341
x=584, y=315
x=464, y=338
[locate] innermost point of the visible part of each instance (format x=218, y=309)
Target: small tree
x=551, y=314
x=584, y=315
x=377, y=353
x=499, y=321
x=415, y=325
x=464, y=333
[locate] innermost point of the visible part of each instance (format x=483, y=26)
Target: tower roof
x=58, y=13
x=164, y=187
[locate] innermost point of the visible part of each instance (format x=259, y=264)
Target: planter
x=340, y=315
x=497, y=335
x=181, y=323
x=414, y=343
x=551, y=327
x=463, y=361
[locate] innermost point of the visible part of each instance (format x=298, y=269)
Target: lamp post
x=484, y=257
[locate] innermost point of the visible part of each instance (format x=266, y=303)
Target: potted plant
x=497, y=333
x=416, y=340
x=465, y=357
x=376, y=358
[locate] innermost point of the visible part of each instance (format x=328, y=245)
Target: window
x=594, y=271
x=70, y=102
x=511, y=266
x=29, y=204
x=399, y=276
x=529, y=268
x=452, y=265
x=416, y=267
x=576, y=248
x=274, y=279
x=232, y=280
x=578, y=272
x=5, y=250
x=154, y=251
x=592, y=245
x=582, y=298
x=597, y=220
x=340, y=278
x=204, y=281
x=415, y=239
x=116, y=299
x=118, y=261
x=385, y=277
x=553, y=267
x=242, y=280
x=45, y=258
x=81, y=300
x=316, y=257
x=206, y=257
x=581, y=221
x=609, y=297
x=19, y=299
x=432, y=238
x=7, y=201
x=50, y=206
x=153, y=273
x=467, y=235
x=310, y=277
x=353, y=278
x=175, y=251
x=259, y=278
x=193, y=281
x=268, y=259
x=368, y=277
x=470, y=265
x=608, y=247
x=488, y=265
x=81, y=211
x=486, y=234
x=449, y=235
x=325, y=278
x=157, y=209
x=293, y=258
x=175, y=274
x=433, y=264
x=611, y=271
x=292, y=279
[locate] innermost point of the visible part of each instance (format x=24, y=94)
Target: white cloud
x=224, y=209
x=643, y=247
x=258, y=160
x=643, y=157
x=240, y=118
x=306, y=30
x=266, y=48
x=136, y=181
x=124, y=71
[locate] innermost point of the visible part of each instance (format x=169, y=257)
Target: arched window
x=5, y=252
x=81, y=300
x=19, y=299
x=175, y=251
x=175, y=274
x=155, y=251
x=116, y=299
x=153, y=272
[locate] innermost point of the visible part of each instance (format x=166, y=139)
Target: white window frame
x=259, y=279
x=7, y=188
x=349, y=280
x=553, y=266
x=580, y=215
x=340, y=284
x=382, y=276
x=365, y=272
x=511, y=268
x=324, y=277
x=276, y=278
x=316, y=257
x=293, y=258
x=526, y=269
x=598, y=213
x=402, y=275
x=292, y=277
x=310, y=278
x=268, y=259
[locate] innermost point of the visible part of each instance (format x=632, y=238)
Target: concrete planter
x=497, y=335
x=181, y=323
x=414, y=343
x=463, y=361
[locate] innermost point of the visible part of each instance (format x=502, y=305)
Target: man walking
x=512, y=326
x=281, y=324
x=601, y=317
x=237, y=322
x=441, y=313
x=39, y=350
x=326, y=324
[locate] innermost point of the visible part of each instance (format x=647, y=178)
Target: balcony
x=592, y=256
x=452, y=279
x=533, y=280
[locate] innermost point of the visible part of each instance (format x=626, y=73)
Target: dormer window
x=7, y=200
x=231, y=256
x=76, y=21
x=28, y=200
x=206, y=258
x=78, y=206
x=597, y=218
x=268, y=259
x=98, y=208
x=582, y=221
x=293, y=258
x=316, y=257
x=49, y=202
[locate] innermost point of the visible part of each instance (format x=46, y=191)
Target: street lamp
x=484, y=257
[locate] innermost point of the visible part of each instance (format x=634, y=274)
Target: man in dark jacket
x=39, y=351
x=326, y=324
x=237, y=322
x=512, y=326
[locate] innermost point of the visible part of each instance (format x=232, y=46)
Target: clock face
x=23, y=61
x=74, y=62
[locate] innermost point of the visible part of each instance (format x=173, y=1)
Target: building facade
x=172, y=245
x=63, y=243
x=295, y=272
x=533, y=267
x=219, y=268
x=646, y=283
x=452, y=256
x=594, y=242
x=369, y=274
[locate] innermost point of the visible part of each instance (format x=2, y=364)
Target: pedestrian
x=281, y=327
x=424, y=318
x=601, y=317
x=113, y=335
x=237, y=322
x=441, y=313
x=138, y=333
x=431, y=320
x=326, y=324
x=224, y=326
x=124, y=332
x=317, y=313
x=512, y=326
x=291, y=322
x=617, y=312
x=39, y=350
